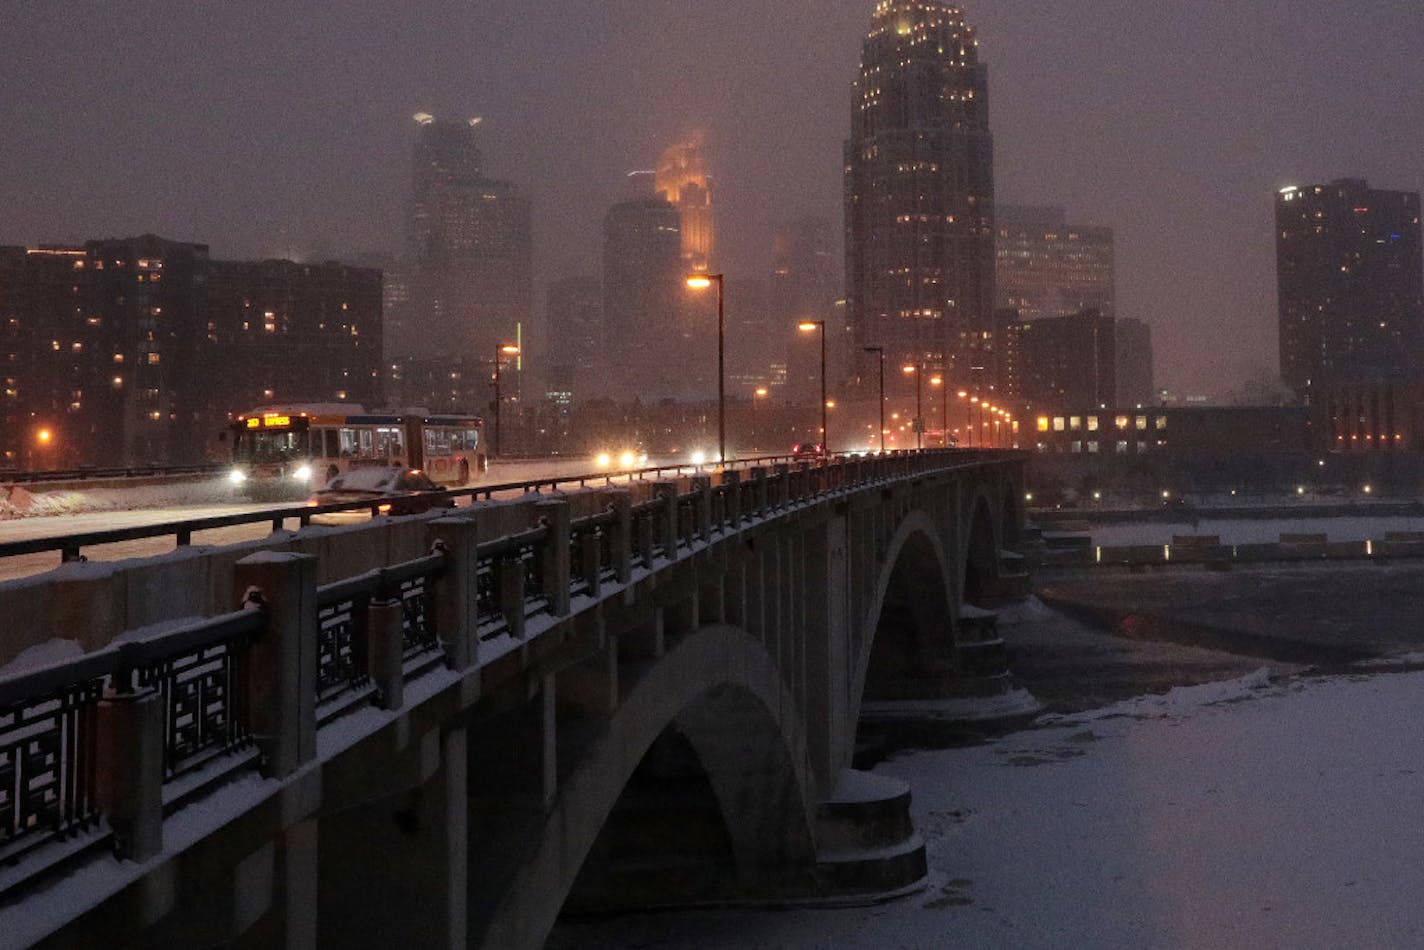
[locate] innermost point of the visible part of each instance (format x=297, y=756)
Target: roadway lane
x=58, y=526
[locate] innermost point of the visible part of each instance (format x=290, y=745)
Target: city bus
x=289, y=451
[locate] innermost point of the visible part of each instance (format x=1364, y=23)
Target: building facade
x=644, y=300
x=1350, y=281
x=574, y=355
x=138, y=351
x=919, y=194
x=1136, y=385
x=1047, y=267
x=1060, y=361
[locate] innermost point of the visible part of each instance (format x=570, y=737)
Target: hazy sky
x=282, y=128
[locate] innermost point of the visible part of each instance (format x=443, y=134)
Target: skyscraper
x=642, y=299
x=682, y=180
x=919, y=193
x=1050, y=268
x=574, y=354
x=1135, y=385
x=469, y=274
x=805, y=284
x=1351, y=284
x=1058, y=363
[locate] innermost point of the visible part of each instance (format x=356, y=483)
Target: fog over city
x=285, y=130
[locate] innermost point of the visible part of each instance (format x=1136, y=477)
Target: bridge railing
x=97, y=749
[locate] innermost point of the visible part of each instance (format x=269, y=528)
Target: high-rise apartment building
x=469, y=271
x=1048, y=267
x=682, y=180
x=295, y=332
x=138, y=350
x=919, y=194
x=1350, y=280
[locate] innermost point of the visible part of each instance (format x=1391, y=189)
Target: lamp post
x=758, y=395
x=919, y=404
x=806, y=327
x=943, y=407
x=506, y=349
x=702, y=282
x=880, y=350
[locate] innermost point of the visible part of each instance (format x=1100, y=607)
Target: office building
x=682, y=180
x=919, y=194
x=468, y=277
x=1135, y=384
x=1047, y=267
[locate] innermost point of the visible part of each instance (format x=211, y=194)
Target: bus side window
x=472, y=439
x=349, y=447
x=368, y=446
x=333, y=444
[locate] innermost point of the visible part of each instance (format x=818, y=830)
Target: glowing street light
x=702, y=282
x=809, y=326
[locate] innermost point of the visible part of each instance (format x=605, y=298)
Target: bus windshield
x=272, y=446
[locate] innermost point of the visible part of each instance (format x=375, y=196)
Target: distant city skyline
x=285, y=131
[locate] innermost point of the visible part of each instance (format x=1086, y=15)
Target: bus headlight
x=236, y=476
x=302, y=474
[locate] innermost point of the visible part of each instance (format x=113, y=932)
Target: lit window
x=1123, y=422
x=1057, y=423
x=1161, y=423
x=1141, y=423
x=1092, y=423
x=1075, y=423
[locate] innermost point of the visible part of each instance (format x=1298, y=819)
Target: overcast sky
x=283, y=128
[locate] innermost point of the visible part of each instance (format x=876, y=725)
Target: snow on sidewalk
x=1238, y=814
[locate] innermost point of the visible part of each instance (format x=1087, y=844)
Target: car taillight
x=384, y=509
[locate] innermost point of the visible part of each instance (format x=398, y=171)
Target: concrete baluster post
x=129, y=771
x=509, y=581
x=758, y=487
x=385, y=620
x=554, y=557
x=281, y=663
x=666, y=492
x=702, y=484
x=589, y=568
x=733, y=481
x=621, y=531
x=783, y=484
x=646, y=530
x=456, y=590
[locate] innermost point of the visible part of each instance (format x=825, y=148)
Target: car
x=808, y=451
x=397, y=490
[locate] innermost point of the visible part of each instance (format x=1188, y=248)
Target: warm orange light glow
x=808, y=325
x=509, y=349
x=699, y=281
x=909, y=369
x=44, y=436
x=830, y=404
x=962, y=394
x=936, y=381
x=761, y=390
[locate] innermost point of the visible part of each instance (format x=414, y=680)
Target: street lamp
x=702, y=282
x=506, y=349
x=880, y=350
x=806, y=327
x=919, y=404
x=943, y=407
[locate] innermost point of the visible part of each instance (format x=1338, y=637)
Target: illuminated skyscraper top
x=919, y=193
x=683, y=181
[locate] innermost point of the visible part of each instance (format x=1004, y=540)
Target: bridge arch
x=907, y=636
x=720, y=690
x=981, y=544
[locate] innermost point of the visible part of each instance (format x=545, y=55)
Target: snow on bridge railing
x=99, y=749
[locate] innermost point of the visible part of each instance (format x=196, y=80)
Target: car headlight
x=627, y=459
x=236, y=476
x=699, y=458
x=302, y=473
x=603, y=460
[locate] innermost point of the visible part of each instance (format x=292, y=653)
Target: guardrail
x=70, y=547
x=13, y=477
x=95, y=751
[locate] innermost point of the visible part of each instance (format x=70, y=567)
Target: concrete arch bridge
x=447, y=731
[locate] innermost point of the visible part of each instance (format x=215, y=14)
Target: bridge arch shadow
x=694, y=789
x=981, y=552
x=907, y=648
